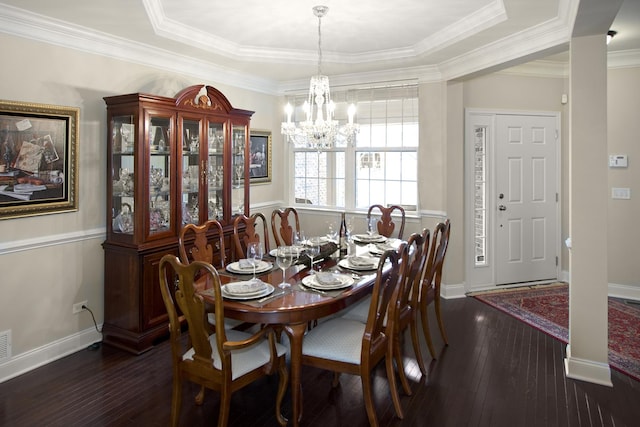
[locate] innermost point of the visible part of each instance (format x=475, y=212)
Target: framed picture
x=260, y=152
x=38, y=159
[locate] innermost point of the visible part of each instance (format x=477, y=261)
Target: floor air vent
x=5, y=344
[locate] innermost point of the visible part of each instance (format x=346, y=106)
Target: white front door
x=526, y=198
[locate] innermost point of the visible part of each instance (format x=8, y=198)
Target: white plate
x=365, y=238
x=380, y=248
x=262, y=266
x=312, y=282
x=344, y=263
x=267, y=291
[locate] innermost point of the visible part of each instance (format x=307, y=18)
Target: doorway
x=511, y=196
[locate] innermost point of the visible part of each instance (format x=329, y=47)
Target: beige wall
x=623, y=137
x=40, y=284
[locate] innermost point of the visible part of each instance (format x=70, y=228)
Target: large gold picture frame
x=38, y=159
x=260, y=152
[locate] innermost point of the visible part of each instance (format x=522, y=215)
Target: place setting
x=328, y=283
x=359, y=262
x=378, y=249
x=253, y=264
x=253, y=292
x=371, y=236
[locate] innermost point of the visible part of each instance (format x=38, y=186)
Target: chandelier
x=319, y=130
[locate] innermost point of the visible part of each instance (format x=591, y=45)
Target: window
x=480, y=195
x=381, y=167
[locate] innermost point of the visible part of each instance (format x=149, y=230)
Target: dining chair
x=348, y=346
x=283, y=235
x=405, y=311
x=242, y=237
x=385, y=224
x=224, y=361
x=430, y=288
x=194, y=245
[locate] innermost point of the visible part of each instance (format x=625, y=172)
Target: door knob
x=502, y=208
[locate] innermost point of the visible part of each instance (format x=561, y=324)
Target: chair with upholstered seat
x=224, y=361
x=430, y=288
x=405, y=311
x=243, y=237
x=385, y=225
x=404, y=314
x=348, y=346
x=194, y=245
x=284, y=233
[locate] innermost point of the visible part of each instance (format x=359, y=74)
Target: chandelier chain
x=319, y=46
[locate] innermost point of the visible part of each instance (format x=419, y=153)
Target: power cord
x=95, y=345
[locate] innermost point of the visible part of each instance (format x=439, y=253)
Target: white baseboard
x=452, y=291
x=587, y=370
x=624, y=291
x=48, y=353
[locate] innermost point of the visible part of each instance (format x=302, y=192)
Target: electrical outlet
x=77, y=307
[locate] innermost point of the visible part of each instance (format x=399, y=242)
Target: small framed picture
x=260, y=152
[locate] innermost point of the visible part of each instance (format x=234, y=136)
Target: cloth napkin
x=327, y=279
x=246, y=264
x=249, y=287
x=360, y=261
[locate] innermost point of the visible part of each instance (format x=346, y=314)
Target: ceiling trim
x=540, y=38
x=482, y=19
x=503, y=53
x=21, y=23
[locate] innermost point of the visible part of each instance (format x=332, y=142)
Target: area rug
x=546, y=307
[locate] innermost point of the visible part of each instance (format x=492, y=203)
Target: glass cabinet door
x=215, y=171
x=160, y=199
x=238, y=143
x=123, y=174
x=191, y=171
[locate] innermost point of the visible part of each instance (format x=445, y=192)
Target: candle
x=351, y=112
x=288, y=109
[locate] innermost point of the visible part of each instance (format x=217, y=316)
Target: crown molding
x=549, y=35
x=18, y=22
x=488, y=16
x=624, y=58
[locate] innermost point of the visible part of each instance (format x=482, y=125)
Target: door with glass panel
x=511, y=196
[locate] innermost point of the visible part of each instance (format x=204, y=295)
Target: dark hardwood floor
x=497, y=371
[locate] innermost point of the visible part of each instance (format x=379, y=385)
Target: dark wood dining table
x=294, y=309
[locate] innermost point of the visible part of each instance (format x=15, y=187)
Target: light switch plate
x=620, y=193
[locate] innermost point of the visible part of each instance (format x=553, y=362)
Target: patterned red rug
x=547, y=308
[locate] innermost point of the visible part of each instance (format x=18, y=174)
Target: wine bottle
x=342, y=239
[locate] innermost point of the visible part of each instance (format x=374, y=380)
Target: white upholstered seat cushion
x=359, y=311
x=228, y=323
x=243, y=360
x=336, y=339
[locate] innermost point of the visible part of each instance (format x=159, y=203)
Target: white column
x=587, y=352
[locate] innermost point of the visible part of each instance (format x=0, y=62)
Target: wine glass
x=371, y=226
x=254, y=255
x=333, y=232
x=298, y=241
x=313, y=250
x=284, y=260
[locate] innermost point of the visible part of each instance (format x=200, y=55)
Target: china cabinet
x=170, y=162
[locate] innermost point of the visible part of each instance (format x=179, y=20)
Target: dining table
x=293, y=309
